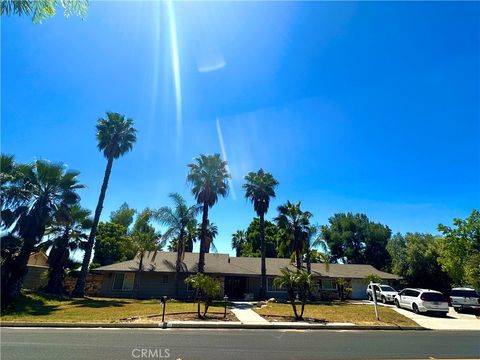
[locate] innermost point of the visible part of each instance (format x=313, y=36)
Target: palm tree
x=295, y=223
x=210, y=235
x=192, y=235
x=42, y=191
x=69, y=233
x=209, y=178
x=314, y=241
x=298, y=284
x=259, y=188
x=116, y=136
x=145, y=242
x=238, y=240
x=178, y=220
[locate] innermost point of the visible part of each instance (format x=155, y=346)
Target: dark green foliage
x=354, y=239
x=298, y=285
x=123, y=216
x=43, y=9
x=113, y=244
x=272, y=239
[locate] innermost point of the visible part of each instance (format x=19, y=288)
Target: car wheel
x=397, y=304
x=457, y=309
x=384, y=300
x=415, y=308
x=370, y=297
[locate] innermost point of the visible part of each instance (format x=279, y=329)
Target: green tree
x=238, y=240
x=354, y=239
x=43, y=9
x=372, y=278
x=295, y=224
x=68, y=233
x=39, y=193
x=298, y=284
x=273, y=236
x=207, y=289
x=209, y=179
x=259, y=189
x=178, y=220
x=458, y=246
x=397, y=249
x=112, y=244
x=123, y=216
x=116, y=136
x=210, y=235
x=422, y=251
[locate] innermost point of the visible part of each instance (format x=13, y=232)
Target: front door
x=235, y=287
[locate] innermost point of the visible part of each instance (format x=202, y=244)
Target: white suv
x=464, y=298
x=384, y=293
x=422, y=301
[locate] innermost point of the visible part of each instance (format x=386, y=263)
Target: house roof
x=224, y=264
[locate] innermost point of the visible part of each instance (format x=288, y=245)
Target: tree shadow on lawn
x=26, y=305
x=96, y=303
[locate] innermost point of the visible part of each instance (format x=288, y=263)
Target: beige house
x=240, y=276
x=36, y=276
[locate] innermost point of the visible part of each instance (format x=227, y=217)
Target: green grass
x=338, y=312
x=40, y=307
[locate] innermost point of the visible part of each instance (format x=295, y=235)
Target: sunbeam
x=224, y=155
x=176, y=68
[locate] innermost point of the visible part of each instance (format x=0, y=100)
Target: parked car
x=464, y=298
x=422, y=301
x=384, y=293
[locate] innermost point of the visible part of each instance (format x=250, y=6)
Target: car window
x=387, y=288
x=464, y=293
x=431, y=296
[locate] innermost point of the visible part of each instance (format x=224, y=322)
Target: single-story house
x=239, y=276
x=37, y=274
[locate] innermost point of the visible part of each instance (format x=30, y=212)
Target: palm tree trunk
x=79, y=290
x=137, y=276
x=263, y=285
x=201, y=257
x=56, y=260
x=309, y=262
x=298, y=258
x=18, y=271
x=178, y=265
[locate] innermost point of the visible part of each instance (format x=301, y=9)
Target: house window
x=123, y=281
x=272, y=288
x=328, y=284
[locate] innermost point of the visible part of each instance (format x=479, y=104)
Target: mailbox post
x=225, y=299
x=374, y=296
x=163, y=299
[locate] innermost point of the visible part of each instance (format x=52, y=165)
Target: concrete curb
x=205, y=325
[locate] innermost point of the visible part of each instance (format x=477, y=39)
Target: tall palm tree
x=178, y=220
x=116, y=136
x=239, y=238
x=259, y=188
x=67, y=234
x=209, y=178
x=191, y=237
x=295, y=224
x=42, y=191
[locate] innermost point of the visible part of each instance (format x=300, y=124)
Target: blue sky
x=367, y=107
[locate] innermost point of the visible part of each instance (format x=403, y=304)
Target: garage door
x=358, y=289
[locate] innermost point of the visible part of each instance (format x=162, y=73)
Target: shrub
x=207, y=288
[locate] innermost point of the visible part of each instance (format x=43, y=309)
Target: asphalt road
x=53, y=344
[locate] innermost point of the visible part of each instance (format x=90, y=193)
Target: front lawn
x=40, y=307
x=336, y=312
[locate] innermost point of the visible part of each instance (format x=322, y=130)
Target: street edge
x=167, y=325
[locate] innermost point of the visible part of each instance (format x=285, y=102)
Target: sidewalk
x=244, y=313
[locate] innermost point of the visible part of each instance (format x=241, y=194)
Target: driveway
x=453, y=321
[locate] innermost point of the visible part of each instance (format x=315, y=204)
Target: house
x=240, y=276
x=37, y=274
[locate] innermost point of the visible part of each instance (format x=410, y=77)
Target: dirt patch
x=278, y=318
x=183, y=316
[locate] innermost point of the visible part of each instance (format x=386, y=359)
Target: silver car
x=464, y=298
x=422, y=301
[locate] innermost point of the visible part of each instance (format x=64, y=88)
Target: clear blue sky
x=366, y=107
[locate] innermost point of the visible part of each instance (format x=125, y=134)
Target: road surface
x=118, y=344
